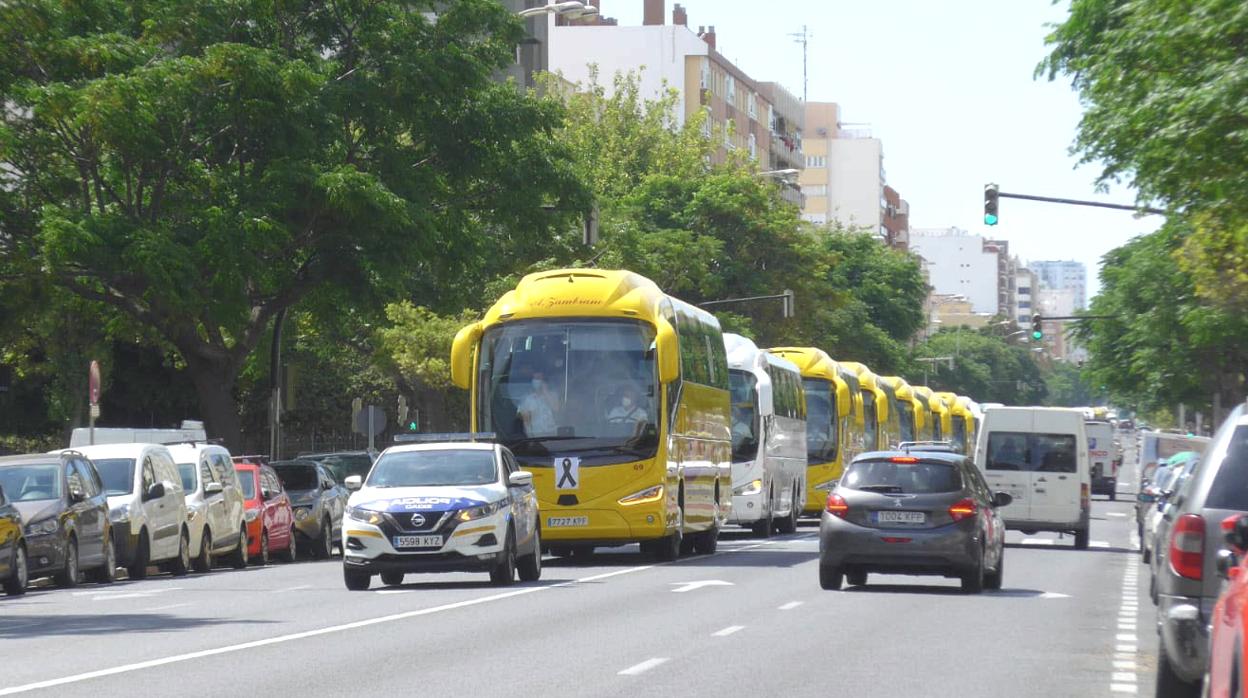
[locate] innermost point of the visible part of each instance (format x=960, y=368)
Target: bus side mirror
x=668, y=346
x=461, y=355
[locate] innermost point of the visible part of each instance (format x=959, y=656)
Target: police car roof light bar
x=435, y=438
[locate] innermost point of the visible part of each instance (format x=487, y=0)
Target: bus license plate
x=418, y=541
x=908, y=517
x=566, y=521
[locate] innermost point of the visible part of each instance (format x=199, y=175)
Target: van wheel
x=238, y=558
x=107, y=572
x=15, y=585
x=68, y=576
x=203, y=561
x=181, y=564
x=1081, y=539
x=142, y=557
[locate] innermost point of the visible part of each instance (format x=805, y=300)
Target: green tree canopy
x=985, y=368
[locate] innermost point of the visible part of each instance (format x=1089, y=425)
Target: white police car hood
x=425, y=499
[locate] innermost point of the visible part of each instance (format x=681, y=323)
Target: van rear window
x=1029, y=452
x=1230, y=486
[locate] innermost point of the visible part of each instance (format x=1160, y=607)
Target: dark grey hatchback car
x=913, y=512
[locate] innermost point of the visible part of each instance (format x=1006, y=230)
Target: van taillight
x=836, y=506
x=1187, y=547
x=963, y=509
x=1085, y=495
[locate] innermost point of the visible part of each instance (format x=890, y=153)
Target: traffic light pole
x=787, y=297
x=1080, y=202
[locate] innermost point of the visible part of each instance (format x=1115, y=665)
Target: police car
x=446, y=503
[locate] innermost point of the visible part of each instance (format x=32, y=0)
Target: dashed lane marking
x=643, y=667
x=728, y=631
x=790, y=605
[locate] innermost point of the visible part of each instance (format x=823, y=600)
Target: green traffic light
x=990, y=219
x=411, y=426
x=1037, y=335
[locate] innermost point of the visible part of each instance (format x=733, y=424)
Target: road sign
x=370, y=421
x=95, y=412
x=94, y=377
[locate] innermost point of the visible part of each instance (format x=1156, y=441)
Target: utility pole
x=803, y=38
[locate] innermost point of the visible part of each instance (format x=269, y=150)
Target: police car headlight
x=480, y=512
x=301, y=513
x=366, y=515
x=749, y=488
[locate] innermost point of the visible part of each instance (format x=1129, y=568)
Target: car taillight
x=1187, y=547
x=1085, y=495
x=963, y=509
x=836, y=505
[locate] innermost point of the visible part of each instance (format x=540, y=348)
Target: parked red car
x=270, y=520
x=1227, y=658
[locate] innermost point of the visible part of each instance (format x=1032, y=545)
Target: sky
x=948, y=88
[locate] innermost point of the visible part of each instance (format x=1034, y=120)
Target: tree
x=1066, y=387
x=1163, y=85
x=985, y=368
x=200, y=166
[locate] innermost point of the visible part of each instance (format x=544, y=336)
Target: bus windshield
x=554, y=386
x=870, y=431
x=907, y=420
x=744, y=390
x=821, y=420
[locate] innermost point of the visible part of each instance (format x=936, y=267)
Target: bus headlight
x=650, y=494
x=749, y=488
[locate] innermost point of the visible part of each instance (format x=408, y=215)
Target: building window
x=731, y=97
x=815, y=190
x=752, y=106
x=1024, y=290
x=771, y=118
x=753, y=145
x=1024, y=305
x=816, y=161
x=706, y=74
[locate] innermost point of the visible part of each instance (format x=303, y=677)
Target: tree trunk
x=214, y=383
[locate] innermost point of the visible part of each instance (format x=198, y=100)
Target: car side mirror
x=156, y=491
x=353, y=482
x=325, y=486
x=213, y=488
x=522, y=478
x=1228, y=564
x=1002, y=499
x=266, y=495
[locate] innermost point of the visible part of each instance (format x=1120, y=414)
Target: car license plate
x=908, y=517
x=418, y=541
x=566, y=521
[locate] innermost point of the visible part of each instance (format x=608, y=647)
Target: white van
x=214, y=504
x=768, y=438
x=1039, y=455
x=1103, y=458
x=146, y=505
x=191, y=430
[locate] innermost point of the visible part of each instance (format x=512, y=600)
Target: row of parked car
x=83, y=513
x=1192, y=516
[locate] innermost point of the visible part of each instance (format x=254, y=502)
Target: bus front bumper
x=583, y=525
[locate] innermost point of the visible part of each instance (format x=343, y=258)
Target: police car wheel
x=356, y=581
x=504, y=570
x=530, y=566
x=392, y=579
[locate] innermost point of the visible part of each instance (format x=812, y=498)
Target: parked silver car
x=318, y=501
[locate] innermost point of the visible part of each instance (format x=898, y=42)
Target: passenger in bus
x=628, y=408
x=538, y=407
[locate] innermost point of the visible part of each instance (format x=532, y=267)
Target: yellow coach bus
x=904, y=420
x=616, y=397
x=876, y=430
x=961, y=431
x=829, y=416
x=935, y=413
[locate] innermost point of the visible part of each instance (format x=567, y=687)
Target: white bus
x=768, y=438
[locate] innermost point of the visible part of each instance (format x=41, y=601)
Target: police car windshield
x=434, y=468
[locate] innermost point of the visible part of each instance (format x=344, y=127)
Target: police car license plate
x=418, y=541
x=909, y=517
x=565, y=521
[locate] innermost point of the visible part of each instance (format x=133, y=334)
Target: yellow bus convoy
x=616, y=397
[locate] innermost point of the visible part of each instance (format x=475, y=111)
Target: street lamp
x=779, y=174
x=572, y=9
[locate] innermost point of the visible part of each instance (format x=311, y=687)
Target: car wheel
x=830, y=577
x=203, y=561
x=68, y=576
x=142, y=553
x=973, y=580
x=19, y=577
x=392, y=579
x=504, y=570
x=323, y=548
x=789, y=523
x=238, y=558
x=530, y=567
x=292, y=550
x=1081, y=539
x=1169, y=683
x=263, y=559
x=1113, y=492
x=1146, y=555
x=356, y=581
x=181, y=564
x=856, y=578
x=107, y=572
x=995, y=578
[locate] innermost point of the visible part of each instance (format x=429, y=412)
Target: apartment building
x=1061, y=275
x=961, y=264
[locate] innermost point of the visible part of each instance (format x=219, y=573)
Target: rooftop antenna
x=803, y=38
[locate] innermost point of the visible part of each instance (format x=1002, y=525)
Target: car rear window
x=247, y=480
x=298, y=477
x=891, y=477
x=1031, y=452
x=1230, y=486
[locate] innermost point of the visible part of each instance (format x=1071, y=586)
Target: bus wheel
x=705, y=542
x=668, y=548
x=789, y=523
x=763, y=527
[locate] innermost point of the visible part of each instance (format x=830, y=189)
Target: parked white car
x=214, y=504
x=146, y=506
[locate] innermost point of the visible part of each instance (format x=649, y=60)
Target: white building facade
x=960, y=264
x=1064, y=275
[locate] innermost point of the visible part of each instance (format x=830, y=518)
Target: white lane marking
x=1116, y=515
x=1098, y=544
x=1132, y=649
x=728, y=631
x=790, y=605
x=112, y=597
x=301, y=586
x=166, y=608
x=1123, y=676
x=281, y=639
x=1038, y=541
x=1054, y=595
x=125, y=593
x=1124, y=665
x=1123, y=688
x=395, y=591
x=1126, y=637
x=682, y=587
x=643, y=667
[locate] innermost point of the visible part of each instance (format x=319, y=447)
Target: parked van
x=191, y=430
x=146, y=505
x=214, y=504
x=1103, y=458
x=1158, y=446
x=1039, y=455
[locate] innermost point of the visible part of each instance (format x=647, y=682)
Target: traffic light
x=1037, y=328
x=991, y=192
